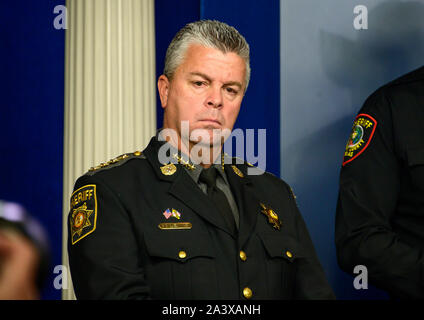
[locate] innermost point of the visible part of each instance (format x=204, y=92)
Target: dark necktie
x=208, y=176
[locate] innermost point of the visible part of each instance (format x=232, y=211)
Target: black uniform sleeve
x=104, y=263
x=369, y=188
x=311, y=281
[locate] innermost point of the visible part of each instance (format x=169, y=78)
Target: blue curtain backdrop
x=31, y=116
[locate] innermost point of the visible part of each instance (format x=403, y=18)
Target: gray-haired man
x=180, y=220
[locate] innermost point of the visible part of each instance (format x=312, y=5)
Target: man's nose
x=214, y=98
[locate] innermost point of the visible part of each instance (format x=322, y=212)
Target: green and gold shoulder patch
x=362, y=132
x=83, y=216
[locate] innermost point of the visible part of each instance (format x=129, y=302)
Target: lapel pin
x=167, y=213
x=176, y=214
x=172, y=213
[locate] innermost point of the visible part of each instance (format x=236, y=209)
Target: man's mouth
x=213, y=122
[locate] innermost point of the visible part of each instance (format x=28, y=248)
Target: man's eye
x=232, y=91
x=198, y=83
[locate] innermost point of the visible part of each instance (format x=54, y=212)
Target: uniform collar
x=194, y=170
x=182, y=161
x=195, y=173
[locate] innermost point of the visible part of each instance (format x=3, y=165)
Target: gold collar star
x=185, y=163
x=191, y=166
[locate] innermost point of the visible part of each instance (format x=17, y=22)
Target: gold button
x=289, y=254
x=243, y=255
x=137, y=153
x=247, y=293
x=182, y=254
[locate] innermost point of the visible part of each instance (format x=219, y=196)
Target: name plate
x=174, y=225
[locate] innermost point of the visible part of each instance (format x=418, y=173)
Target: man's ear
x=163, y=88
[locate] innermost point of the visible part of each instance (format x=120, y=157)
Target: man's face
x=206, y=90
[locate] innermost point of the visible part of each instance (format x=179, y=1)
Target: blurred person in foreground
x=24, y=254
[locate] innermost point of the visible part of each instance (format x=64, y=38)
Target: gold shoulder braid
x=117, y=161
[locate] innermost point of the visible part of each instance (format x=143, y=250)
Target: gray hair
x=208, y=33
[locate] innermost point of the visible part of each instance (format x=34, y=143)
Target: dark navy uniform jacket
x=122, y=244
x=380, y=213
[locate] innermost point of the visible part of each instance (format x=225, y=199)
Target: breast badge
x=272, y=216
x=83, y=217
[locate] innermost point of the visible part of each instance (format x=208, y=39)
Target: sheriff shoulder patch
x=362, y=132
x=83, y=215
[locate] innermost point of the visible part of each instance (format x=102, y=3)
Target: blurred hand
x=18, y=267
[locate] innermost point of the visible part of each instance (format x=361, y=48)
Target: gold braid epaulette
x=117, y=161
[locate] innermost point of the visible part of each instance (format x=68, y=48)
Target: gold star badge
x=80, y=219
x=272, y=216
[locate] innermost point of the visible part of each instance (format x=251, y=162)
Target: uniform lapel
x=184, y=188
x=247, y=202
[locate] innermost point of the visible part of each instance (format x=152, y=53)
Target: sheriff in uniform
x=380, y=208
x=143, y=229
